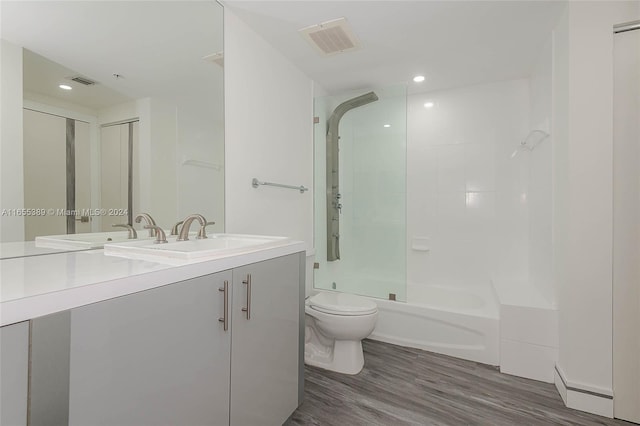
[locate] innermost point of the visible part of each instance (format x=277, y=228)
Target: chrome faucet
x=202, y=233
x=132, y=232
x=161, y=236
x=176, y=226
x=149, y=221
x=184, y=232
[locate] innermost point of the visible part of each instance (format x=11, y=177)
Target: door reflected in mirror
x=120, y=112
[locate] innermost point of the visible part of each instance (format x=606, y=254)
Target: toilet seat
x=342, y=304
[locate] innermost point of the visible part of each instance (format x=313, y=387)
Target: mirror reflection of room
x=109, y=125
x=60, y=136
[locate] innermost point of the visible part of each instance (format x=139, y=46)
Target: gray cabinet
x=164, y=357
x=265, y=347
x=14, y=374
x=158, y=357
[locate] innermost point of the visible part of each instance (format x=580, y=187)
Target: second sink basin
x=216, y=245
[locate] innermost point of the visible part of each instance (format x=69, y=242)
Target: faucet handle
x=202, y=233
x=161, y=237
x=132, y=232
x=149, y=221
x=174, y=229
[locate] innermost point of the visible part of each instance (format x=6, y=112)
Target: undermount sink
x=89, y=240
x=215, y=246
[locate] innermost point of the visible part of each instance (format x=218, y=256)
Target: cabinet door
x=14, y=373
x=264, y=352
x=49, y=370
x=158, y=357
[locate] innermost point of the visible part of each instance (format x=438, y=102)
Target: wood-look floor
x=404, y=386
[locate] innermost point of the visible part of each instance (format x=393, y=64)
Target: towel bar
x=255, y=183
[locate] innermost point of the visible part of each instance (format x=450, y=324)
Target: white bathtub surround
x=540, y=179
x=336, y=323
x=471, y=204
x=528, y=331
x=461, y=322
x=466, y=198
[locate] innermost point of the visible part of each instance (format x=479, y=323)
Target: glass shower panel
x=372, y=188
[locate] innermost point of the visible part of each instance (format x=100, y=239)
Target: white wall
x=155, y=185
x=539, y=196
x=465, y=193
x=158, y=153
x=269, y=136
x=11, y=186
x=201, y=185
x=582, y=229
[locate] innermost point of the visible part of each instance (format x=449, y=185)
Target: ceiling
x=43, y=77
x=157, y=46
x=452, y=43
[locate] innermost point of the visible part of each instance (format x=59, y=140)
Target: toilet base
x=345, y=356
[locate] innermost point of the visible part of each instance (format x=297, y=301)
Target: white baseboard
x=579, y=398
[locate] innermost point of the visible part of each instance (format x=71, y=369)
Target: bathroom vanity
x=94, y=339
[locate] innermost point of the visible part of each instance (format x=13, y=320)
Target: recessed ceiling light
x=418, y=78
x=65, y=87
x=387, y=125
x=429, y=104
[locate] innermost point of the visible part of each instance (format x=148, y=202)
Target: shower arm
x=525, y=141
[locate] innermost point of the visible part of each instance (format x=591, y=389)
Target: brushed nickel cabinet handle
x=248, y=308
x=225, y=313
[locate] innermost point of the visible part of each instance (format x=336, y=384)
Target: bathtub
x=458, y=321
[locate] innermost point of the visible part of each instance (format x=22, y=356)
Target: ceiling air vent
x=82, y=80
x=331, y=37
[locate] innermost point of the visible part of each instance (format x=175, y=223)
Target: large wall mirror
x=110, y=109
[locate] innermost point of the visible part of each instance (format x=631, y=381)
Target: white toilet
x=336, y=323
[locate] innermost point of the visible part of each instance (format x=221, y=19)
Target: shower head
x=532, y=140
x=352, y=103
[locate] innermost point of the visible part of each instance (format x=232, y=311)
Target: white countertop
x=31, y=287
x=28, y=248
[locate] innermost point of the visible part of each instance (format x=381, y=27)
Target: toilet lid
x=342, y=304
